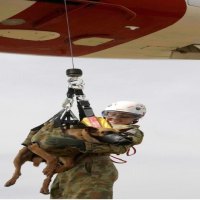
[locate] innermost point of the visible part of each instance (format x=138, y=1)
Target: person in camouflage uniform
x=94, y=174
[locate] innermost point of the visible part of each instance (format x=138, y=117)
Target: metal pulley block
x=74, y=72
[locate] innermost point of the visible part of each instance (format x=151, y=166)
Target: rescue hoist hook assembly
x=75, y=90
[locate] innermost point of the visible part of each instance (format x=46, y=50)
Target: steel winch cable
x=75, y=88
x=69, y=33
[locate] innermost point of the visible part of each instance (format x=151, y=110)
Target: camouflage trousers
x=92, y=178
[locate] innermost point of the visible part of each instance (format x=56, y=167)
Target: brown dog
x=40, y=150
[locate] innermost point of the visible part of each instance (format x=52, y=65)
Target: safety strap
x=122, y=161
x=83, y=105
x=84, y=109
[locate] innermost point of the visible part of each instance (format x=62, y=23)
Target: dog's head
x=99, y=131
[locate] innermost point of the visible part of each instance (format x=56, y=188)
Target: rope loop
x=131, y=154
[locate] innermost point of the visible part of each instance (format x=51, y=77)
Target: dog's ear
x=90, y=129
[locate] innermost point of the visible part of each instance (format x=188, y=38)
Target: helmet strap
x=135, y=121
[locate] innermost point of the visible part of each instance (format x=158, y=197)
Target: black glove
x=114, y=138
x=59, y=143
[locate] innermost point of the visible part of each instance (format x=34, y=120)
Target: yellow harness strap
x=96, y=122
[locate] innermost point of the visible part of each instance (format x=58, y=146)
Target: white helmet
x=138, y=110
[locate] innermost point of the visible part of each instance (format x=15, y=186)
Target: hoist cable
x=69, y=33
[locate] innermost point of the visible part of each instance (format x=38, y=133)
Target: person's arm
x=134, y=136
x=105, y=148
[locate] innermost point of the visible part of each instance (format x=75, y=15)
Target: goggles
x=121, y=115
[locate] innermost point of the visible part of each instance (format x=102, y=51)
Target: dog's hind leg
x=68, y=163
x=23, y=156
x=45, y=186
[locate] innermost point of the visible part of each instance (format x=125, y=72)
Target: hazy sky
x=167, y=163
